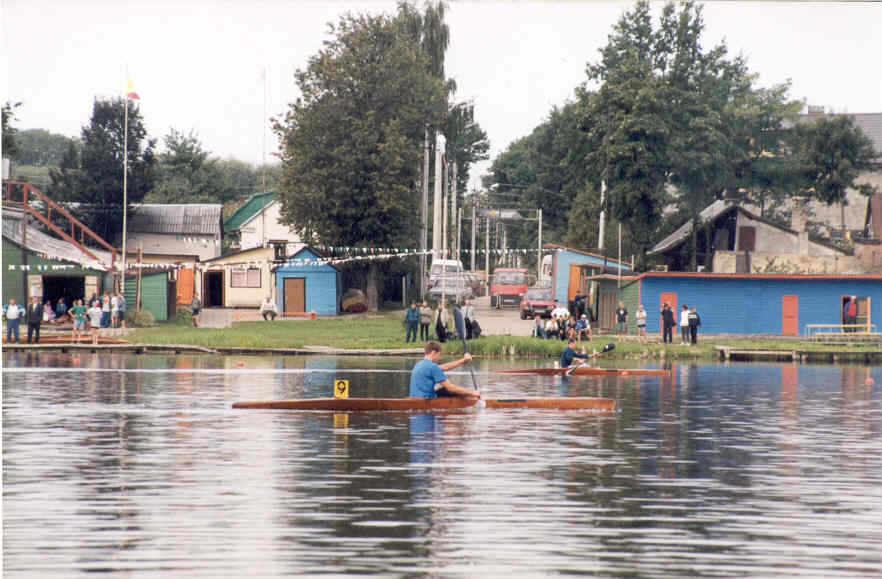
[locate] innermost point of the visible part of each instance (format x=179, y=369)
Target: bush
x=140, y=319
x=184, y=314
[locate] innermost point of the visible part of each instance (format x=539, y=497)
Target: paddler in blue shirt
x=569, y=354
x=427, y=379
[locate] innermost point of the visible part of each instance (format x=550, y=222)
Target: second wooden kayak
x=589, y=371
x=431, y=405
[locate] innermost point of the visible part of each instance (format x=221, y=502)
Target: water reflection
x=137, y=465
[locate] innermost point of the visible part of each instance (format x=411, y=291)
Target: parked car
x=476, y=283
x=507, y=286
x=445, y=267
x=537, y=302
x=455, y=289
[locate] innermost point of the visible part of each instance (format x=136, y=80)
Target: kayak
x=590, y=371
x=431, y=404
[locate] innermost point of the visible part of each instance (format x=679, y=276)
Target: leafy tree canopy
x=42, y=148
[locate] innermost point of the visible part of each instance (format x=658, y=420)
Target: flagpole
x=125, y=197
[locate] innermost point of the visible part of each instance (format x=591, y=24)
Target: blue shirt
x=424, y=378
x=567, y=357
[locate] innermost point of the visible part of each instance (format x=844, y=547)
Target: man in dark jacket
x=34, y=317
x=668, y=323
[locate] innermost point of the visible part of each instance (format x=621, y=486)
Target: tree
x=831, y=154
x=187, y=174
x=94, y=179
x=42, y=148
x=10, y=142
x=351, y=144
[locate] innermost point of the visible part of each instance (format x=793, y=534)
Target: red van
x=507, y=286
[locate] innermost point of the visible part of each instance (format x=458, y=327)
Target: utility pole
x=446, y=216
x=487, y=253
x=439, y=177
x=454, y=247
x=539, y=253
x=424, y=214
x=474, y=231
x=602, y=215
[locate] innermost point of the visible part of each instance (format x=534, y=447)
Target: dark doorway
x=61, y=286
x=213, y=289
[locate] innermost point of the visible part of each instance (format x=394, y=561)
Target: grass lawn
x=386, y=331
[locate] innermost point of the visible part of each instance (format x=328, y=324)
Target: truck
x=507, y=286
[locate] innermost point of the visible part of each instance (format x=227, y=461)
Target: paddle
x=605, y=349
x=459, y=323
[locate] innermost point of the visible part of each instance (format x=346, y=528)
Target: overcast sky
x=197, y=64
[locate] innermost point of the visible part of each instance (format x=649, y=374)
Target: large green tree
x=94, y=177
x=831, y=152
x=351, y=144
x=9, y=144
x=42, y=148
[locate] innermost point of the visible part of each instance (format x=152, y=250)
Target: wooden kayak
x=589, y=371
x=433, y=404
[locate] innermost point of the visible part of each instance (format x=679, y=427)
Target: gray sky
x=197, y=64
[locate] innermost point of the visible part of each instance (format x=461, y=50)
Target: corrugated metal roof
x=248, y=209
x=709, y=213
x=38, y=242
x=193, y=218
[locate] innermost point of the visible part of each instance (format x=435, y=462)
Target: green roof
x=248, y=209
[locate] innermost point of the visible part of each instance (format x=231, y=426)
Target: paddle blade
x=608, y=347
x=459, y=323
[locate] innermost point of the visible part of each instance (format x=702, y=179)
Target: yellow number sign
x=341, y=388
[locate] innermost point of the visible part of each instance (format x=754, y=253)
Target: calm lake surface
x=137, y=466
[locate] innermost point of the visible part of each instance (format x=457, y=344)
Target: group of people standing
x=105, y=312
x=689, y=324
x=437, y=320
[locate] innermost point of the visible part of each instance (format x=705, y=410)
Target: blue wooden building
x=305, y=284
x=571, y=269
x=759, y=303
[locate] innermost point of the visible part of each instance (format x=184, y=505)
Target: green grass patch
x=386, y=331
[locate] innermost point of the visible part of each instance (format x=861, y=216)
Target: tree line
x=88, y=170
x=669, y=126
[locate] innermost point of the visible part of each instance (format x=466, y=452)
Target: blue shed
x=761, y=303
x=571, y=268
x=306, y=283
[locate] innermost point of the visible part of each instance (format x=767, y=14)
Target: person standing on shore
x=35, y=318
x=621, y=319
x=441, y=320
x=195, y=306
x=684, y=326
x=668, y=323
x=694, y=322
x=411, y=322
x=114, y=310
x=640, y=316
x=96, y=315
x=78, y=315
x=425, y=321
x=13, y=313
x=468, y=314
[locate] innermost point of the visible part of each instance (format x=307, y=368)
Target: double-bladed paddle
x=605, y=349
x=459, y=323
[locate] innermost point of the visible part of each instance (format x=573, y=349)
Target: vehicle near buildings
x=537, y=302
x=507, y=286
x=475, y=282
x=446, y=267
x=452, y=288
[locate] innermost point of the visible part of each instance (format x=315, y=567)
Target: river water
x=137, y=466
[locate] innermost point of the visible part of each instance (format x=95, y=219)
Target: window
x=245, y=277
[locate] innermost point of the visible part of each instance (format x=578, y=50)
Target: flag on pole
x=130, y=90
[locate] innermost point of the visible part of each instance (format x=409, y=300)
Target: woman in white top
x=684, y=326
x=640, y=316
x=114, y=311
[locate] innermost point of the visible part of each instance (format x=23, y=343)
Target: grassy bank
x=386, y=331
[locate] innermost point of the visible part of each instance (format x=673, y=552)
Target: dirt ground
x=505, y=321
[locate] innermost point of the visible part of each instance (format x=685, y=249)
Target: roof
x=583, y=252
x=248, y=209
x=714, y=211
x=57, y=249
x=191, y=218
x=870, y=124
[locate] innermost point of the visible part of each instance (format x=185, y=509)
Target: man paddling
x=427, y=380
x=569, y=354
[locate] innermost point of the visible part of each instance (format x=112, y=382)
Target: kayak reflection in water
x=427, y=379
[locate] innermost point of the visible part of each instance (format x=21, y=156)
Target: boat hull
x=427, y=405
x=590, y=371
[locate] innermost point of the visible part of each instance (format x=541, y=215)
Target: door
x=746, y=238
x=213, y=289
x=669, y=298
x=789, y=315
x=185, y=286
x=295, y=295
x=575, y=282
